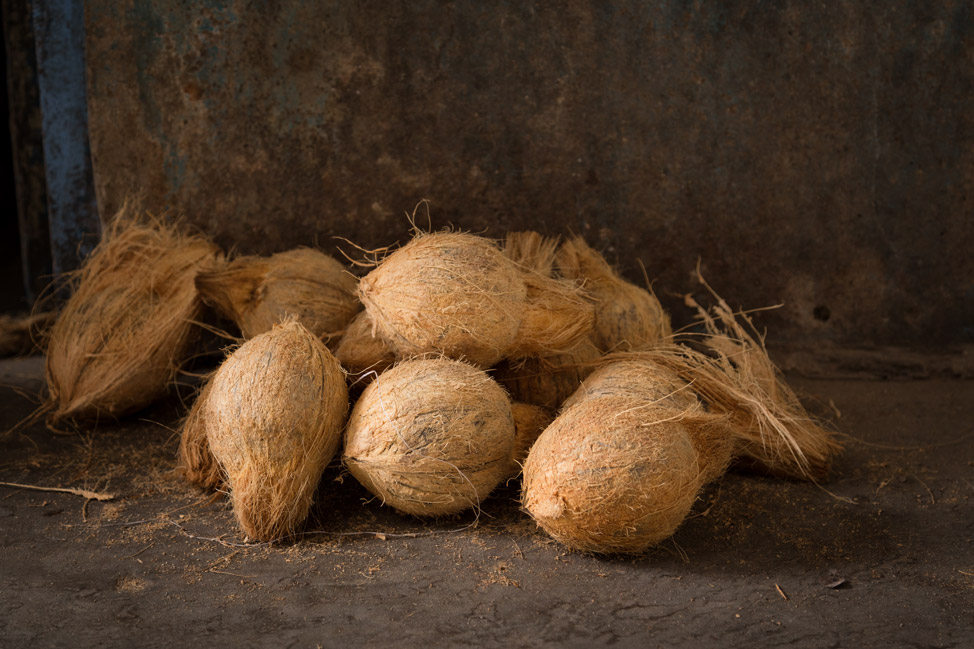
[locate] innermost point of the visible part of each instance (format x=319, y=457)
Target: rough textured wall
x=815, y=154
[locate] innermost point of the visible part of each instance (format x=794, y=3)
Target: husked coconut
x=273, y=417
x=458, y=295
x=257, y=292
x=129, y=323
x=362, y=353
x=430, y=437
x=627, y=317
x=611, y=475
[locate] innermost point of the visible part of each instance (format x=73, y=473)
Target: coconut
x=362, y=353
x=647, y=383
x=273, y=419
x=529, y=422
x=257, y=292
x=195, y=461
x=458, y=295
x=117, y=343
x=627, y=317
x=612, y=475
x=547, y=381
x=430, y=437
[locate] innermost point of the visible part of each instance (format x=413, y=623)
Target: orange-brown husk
x=558, y=315
x=273, y=419
x=361, y=352
x=529, y=422
x=258, y=292
x=446, y=293
x=430, y=437
x=195, y=461
x=612, y=475
x=627, y=317
x=129, y=324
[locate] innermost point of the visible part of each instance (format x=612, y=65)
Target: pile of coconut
x=455, y=363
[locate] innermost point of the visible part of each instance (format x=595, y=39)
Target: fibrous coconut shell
x=129, y=324
x=361, y=352
x=627, y=317
x=529, y=422
x=449, y=293
x=611, y=475
x=430, y=437
x=258, y=292
x=547, y=381
x=650, y=384
x=458, y=295
x=195, y=461
x=273, y=419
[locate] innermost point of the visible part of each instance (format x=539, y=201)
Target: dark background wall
x=814, y=154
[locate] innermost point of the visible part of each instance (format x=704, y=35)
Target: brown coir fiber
x=556, y=311
x=430, y=437
x=361, y=352
x=774, y=430
x=458, y=295
x=549, y=380
x=273, y=419
x=627, y=317
x=529, y=422
x=257, y=292
x=612, y=475
x=118, y=341
x=648, y=384
x=195, y=462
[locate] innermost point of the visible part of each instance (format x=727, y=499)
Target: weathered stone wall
x=815, y=154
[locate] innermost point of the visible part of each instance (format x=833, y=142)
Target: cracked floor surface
x=880, y=555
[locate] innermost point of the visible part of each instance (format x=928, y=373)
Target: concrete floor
x=880, y=556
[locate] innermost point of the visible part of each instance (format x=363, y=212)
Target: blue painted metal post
x=73, y=215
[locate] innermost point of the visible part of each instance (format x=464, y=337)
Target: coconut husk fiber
x=456, y=294
x=430, y=437
x=612, y=474
x=649, y=384
x=557, y=316
x=774, y=430
x=627, y=317
x=129, y=323
x=258, y=292
x=195, y=461
x=547, y=381
x=362, y=353
x=273, y=417
x=529, y=422
x=20, y=335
